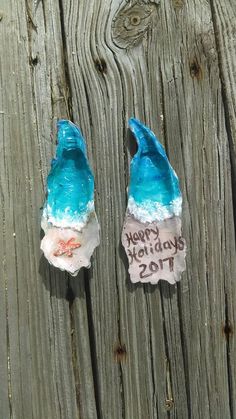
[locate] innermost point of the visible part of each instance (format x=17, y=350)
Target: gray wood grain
x=224, y=24
x=97, y=346
x=36, y=332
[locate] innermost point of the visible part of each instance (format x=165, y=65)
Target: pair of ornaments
x=152, y=233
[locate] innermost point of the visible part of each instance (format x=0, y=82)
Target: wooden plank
x=36, y=340
x=97, y=346
x=192, y=85
x=224, y=25
x=22, y=194
x=166, y=65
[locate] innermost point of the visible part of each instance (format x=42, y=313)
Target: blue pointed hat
x=70, y=182
x=154, y=185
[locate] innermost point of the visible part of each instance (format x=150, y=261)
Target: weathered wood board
x=97, y=346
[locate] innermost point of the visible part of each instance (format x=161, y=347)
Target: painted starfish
x=66, y=248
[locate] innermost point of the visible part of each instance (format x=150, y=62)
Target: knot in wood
x=227, y=329
x=132, y=22
x=33, y=61
x=101, y=65
x=196, y=69
x=178, y=4
x=120, y=353
x=169, y=403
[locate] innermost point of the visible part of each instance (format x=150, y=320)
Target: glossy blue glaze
x=70, y=182
x=152, y=179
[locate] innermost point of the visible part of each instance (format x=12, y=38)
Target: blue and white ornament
x=152, y=234
x=69, y=219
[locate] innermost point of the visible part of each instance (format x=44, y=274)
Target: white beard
x=71, y=259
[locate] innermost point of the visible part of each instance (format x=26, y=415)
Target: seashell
x=152, y=234
x=69, y=219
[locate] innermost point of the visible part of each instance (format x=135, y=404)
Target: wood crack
x=185, y=355
x=120, y=342
x=169, y=392
x=54, y=334
x=67, y=89
x=31, y=26
x=229, y=369
x=126, y=172
x=9, y=384
x=8, y=356
x=92, y=341
x=151, y=350
x=70, y=296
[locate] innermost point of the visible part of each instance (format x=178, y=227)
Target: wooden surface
x=96, y=346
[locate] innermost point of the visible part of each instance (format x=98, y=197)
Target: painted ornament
x=69, y=220
x=152, y=234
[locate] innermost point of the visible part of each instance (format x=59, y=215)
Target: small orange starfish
x=65, y=248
